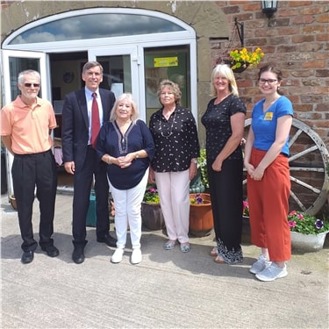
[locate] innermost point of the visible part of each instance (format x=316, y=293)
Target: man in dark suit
x=80, y=157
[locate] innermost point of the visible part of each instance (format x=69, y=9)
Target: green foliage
x=306, y=224
x=151, y=194
x=202, y=165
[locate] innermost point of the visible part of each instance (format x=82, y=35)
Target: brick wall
x=296, y=39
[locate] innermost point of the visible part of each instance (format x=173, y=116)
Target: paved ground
x=167, y=290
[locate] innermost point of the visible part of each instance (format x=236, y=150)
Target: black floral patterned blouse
x=216, y=120
x=176, y=140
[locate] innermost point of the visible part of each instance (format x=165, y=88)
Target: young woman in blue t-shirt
x=268, y=179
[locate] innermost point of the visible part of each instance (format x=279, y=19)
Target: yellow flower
x=244, y=57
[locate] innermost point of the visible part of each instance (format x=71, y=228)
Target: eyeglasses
x=269, y=81
x=29, y=85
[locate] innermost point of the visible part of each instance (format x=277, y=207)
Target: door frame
x=135, y=61
x=45, y=91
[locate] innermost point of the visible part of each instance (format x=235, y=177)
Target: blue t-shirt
x=137, y=137
x=264, y=123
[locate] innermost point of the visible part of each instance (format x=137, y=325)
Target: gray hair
x=129, y=98
x=21, y=76
x=90, y=65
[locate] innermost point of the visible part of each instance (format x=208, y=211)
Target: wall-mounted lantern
x=269, y=8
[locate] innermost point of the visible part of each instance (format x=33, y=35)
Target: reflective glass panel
x=95, y=26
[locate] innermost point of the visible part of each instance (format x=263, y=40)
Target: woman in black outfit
x=224, y=123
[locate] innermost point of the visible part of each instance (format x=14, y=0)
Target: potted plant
x=152, y=217
x=307, y=231
x=245, y=235
x=241, y=59
x=201, y=218
x=245, y=212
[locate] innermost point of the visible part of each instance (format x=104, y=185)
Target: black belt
x=31, y=154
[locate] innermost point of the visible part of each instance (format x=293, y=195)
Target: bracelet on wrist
x=194, y=161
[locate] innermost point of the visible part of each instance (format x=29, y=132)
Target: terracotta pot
x=152, y=217
x=201, y=219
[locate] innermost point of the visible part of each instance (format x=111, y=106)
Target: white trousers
x=174, y=189
x=127, y=205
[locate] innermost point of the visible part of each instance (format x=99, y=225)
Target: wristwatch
x=194, y=161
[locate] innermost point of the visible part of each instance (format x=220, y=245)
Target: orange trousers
x=269, y=206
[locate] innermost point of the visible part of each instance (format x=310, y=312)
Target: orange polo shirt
x=28, y=126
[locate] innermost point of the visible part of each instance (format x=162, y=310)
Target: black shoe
x=78, y=255
x=110, y=241
x=51, y=251
x=27, y=257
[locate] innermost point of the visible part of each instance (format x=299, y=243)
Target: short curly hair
x=174, y=87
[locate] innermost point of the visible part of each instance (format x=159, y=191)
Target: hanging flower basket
x=232, y=65
x=240, y=59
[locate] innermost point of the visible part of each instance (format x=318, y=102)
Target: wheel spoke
x=300, y=154
x=293, y=139
x=293, y=195
x=315, y=190
x=314, y=169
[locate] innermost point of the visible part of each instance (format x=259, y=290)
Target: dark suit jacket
x=75, y=133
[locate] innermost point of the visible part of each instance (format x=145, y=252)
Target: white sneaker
x=261, y=264
x=272, y=273
x=117, y=256
x=136, y=256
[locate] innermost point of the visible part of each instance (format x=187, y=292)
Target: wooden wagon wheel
x=307, y=160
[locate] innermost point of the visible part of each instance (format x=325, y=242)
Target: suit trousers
x=269, y=207
x=174, y=193
x=35, y=172
x=128, y=211
x=83, y=180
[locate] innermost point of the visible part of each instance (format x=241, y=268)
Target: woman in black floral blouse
x=175, y=162
x=224, y=123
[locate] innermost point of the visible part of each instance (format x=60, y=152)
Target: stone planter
x=308, y=242
x=152, y=217
x=201, y=219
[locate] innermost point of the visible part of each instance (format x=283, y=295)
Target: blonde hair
x=225, y=71
x=129, y=98
x=174, y=87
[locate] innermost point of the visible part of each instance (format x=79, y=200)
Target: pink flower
x=292, y=223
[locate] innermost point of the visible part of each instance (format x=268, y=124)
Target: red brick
x=314, y=29
x=324, y=18
x=303, y=19
x=302, y=38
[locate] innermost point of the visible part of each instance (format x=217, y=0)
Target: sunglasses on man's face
x=29, y=85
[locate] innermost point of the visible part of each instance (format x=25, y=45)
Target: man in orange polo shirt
x=25, y=131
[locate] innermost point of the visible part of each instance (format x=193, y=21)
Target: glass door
x=120, y=70
x=14, y=62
